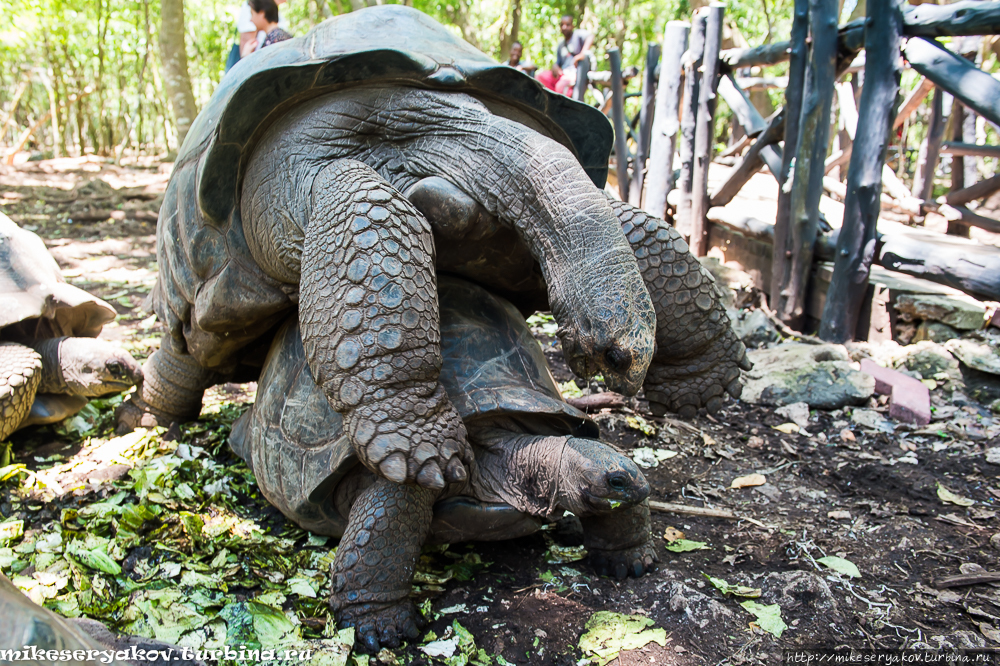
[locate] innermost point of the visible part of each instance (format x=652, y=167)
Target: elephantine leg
x=619, y=542
x=171, y=390
x=698, y=355
x=376, y=558
x=20, y=375
x=369, y=316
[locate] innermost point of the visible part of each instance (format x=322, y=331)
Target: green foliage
x=107, y=52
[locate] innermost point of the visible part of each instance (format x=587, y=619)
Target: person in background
x=574, y=47
x=264, y=14
x=526, y=66
x=249, y=32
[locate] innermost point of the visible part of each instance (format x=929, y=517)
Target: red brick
x=909, y=399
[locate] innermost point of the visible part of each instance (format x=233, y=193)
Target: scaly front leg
x=619, y=543
x=369, y=316
x=698, y=355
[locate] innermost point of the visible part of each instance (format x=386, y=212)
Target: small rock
x=966, y=315
x=797, y=413
x=993, y=455
x=910, y=398
x=976, y=355
x=930, y=359
x=839, y=515
x=995, y=540
x=754, y=328
x=869, y=418
x=818, y=375
x=935, y=331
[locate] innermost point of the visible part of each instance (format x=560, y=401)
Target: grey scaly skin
x=331, y=219
x=538, y=476
x=698, y=356
x=20, y=375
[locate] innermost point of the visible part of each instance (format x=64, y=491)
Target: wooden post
x=645, y=124
x=660, y=178
x=930, y=149
x=807, y=183
x=856, y=242
x=618, y=116
x=793, y=113
x=745, y=113
x=582, y=79
x=978, y=90
x=956, y=131
x=689, y=117
x=912, y=102
x=705, y=130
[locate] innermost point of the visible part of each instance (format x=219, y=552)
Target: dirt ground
x=844, y=490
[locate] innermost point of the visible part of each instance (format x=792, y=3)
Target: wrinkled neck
x=520, y=470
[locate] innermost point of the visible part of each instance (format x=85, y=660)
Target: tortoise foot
x=704, y=383
x=136, y=413
x=382, y=625
x=634, y=561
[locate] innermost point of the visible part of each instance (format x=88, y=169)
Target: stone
x=754, y=328
x=821, y=376
x=909, y=398
x=797, y=413
x=966, y=314
x=993, y=455
x=935, y=331
x=869, y=418
x=931, y=360
x=977, y=355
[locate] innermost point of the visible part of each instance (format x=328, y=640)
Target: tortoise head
x=92, y=367
x=595, y=478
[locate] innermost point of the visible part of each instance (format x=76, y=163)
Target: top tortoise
x=339, y=172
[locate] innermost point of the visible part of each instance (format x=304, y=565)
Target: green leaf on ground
x=684, y=545
x=840, y=565
x=563, y=554
x=607, y=633
x=737, y=590
x=10, y=530
x=257, y=626
x=636, y=422
x=768, y=617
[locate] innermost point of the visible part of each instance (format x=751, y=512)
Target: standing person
x=264, y=16
x=574, y=47
x=249, y=32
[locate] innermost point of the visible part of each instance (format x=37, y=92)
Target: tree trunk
x=173, y=53
x=509, y=38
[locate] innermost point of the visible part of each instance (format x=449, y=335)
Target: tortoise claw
x=627, y=562
x=380, y=627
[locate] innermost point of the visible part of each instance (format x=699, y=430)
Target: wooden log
x=913, y=102
x=737, y=148
x=618, y=117
x=839, y=158
x=753, y=161
x=978, y=90
x=956, y=130
x=960, y=18
x=980, y=190
x=666, y=120
x=768, y=54
x=856, y=242
x=582, y=79
x=807, y=184
x=959, y=148
x=746, y=113
x=645, y=124
x=761, y=82
x=956, y=262
x=689, y=116
x=705, y=128
x=793, y=118
x=930, y=149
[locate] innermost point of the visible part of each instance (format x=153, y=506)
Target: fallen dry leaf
x=847, y=436
x=748, y=481
x=787, y=428
x=672, y=534
x=946, y=495
x=839, y=515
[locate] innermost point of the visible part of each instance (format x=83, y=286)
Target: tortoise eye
x=617, y=481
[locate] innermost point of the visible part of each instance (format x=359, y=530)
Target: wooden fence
x=678, y=119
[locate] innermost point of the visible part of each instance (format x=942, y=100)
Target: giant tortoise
x=535, y=457
x=50, y=359
x=337, y=172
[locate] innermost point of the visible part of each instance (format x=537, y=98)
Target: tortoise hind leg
x=375, y=562
x=698, y=355
x=171, y=390
x=20, y=375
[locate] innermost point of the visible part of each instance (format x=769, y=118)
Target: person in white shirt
x=248, y=31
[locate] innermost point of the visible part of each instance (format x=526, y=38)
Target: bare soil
x=845, y=490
